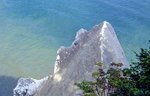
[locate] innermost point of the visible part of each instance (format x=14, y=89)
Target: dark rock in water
x=77, y=62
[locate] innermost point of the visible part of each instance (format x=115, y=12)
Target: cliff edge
x=76, y=63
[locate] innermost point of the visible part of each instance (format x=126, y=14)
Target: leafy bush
x=121, y=82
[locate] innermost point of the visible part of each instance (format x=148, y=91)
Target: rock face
x=76, y=63
x=28, y=86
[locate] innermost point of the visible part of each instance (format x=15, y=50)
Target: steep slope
x=76, y=63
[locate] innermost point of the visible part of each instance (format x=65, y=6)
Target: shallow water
x=31, y=31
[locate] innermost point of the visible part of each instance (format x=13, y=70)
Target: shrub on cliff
x=107, y=83
x=121, y=82
x=140, y=71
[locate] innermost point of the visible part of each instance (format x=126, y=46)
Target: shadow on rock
x=7, y=84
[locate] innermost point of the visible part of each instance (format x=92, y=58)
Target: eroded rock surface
x=28, y=86
x=76, y=63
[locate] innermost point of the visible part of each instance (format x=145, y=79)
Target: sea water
x=31, y=31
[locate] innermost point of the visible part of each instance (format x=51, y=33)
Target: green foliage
x=99, y=64
x=91, y=94
x=86, y=86
x=95, y=74
x=121, y=82
x=141, y=71
x=103, y=80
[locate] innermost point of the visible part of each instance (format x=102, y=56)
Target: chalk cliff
x=76, y=63
x=28, y=86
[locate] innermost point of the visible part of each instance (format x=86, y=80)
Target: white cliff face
x=77, y=42
x=28, y=86
x=77, y=62
x=110, y=44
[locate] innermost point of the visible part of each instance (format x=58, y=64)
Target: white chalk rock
x=77, y=62
x=28, y=86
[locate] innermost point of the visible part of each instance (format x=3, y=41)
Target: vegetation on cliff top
x=133, y=81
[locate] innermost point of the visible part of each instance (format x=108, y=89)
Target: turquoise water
x=31, y=31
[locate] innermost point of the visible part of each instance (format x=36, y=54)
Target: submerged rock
x=77, y=62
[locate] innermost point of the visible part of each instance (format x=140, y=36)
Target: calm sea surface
x=31, y=31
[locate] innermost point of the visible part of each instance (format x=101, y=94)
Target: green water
x=31, y=31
